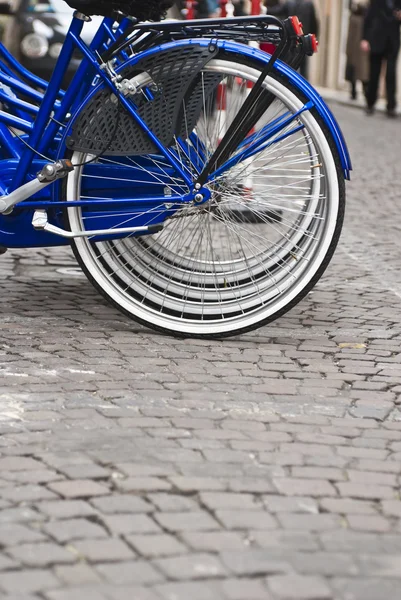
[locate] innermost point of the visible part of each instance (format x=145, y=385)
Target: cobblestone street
x=267, y=467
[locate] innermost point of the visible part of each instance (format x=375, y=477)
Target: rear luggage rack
x=265, y=28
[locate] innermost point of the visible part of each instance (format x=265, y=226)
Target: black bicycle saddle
x=142, y=10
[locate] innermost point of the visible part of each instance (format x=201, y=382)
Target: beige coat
x=357, y=59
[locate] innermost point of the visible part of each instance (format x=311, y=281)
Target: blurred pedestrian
x=276, y=8
x=200, y=8
x=381, y=37
x=306, y=13
x=357, y=68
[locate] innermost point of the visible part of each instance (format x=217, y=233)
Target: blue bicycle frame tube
x=8, y=59
x=8, y=119
x=48, y=102
x=130, y=109
x=78, y=87
x=19, y=86
x=21, y=104
x=7, y=142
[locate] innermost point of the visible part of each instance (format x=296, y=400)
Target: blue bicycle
x=199, y=181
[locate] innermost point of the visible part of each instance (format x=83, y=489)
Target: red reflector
x=297, y=25
x=315, y=43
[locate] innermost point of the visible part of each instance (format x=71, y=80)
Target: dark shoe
x=369, y=110
x=391, y=113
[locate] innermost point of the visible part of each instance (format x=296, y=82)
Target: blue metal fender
x=293, y=77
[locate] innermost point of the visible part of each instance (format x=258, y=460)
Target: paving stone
x=327, y=564
x=155, y=545
x=369, y=523
x=362, y=452
x=372, y=477
x=214, y=501
x=213, y=541
x=347, y=505
x=382, y=466
x=367, y=491
x=74, y=529
x=143, y=484
x=254, y=485
x=172, y=502
x=298, y=587
x=145, y=470
x=78, y=574
x=7, y=563
x=251, y=562
x=194, y=484
x=330, y=473
x=99, y=550
x=41, y=554
x=380, y=566
x=79, y=488
x=26, y=493
x=285, y=540
x=241, y=425
x=392, y=508
x=292, y=504
x=30, y=476
x=89, y=471
x=83, y=591
x=131, y=591
x=27, y=581
x=187, y=521
x=304, y=487
x=19, y=463
x=192, y=566
x=196, y=590
x=245, y=519
x=126, y=524
x=308, y=522
x=251, y=589
x=66, y=509
x=360, y=541
x=366, y=588
x=19, y=534
x=20, y=514
x=123, y=573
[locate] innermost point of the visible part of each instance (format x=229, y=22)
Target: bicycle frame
x=43, y=119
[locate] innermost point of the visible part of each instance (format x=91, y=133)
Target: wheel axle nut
x=198, y=198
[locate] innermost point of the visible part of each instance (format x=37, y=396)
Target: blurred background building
x=327, y=68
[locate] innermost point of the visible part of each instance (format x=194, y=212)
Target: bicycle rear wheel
x=254, y=249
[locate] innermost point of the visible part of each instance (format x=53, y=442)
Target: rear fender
x=281, y=68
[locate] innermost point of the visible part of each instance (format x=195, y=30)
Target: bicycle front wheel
x=253, y=250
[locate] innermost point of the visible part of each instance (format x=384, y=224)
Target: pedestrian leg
x=391, y=82
x=373, y=86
